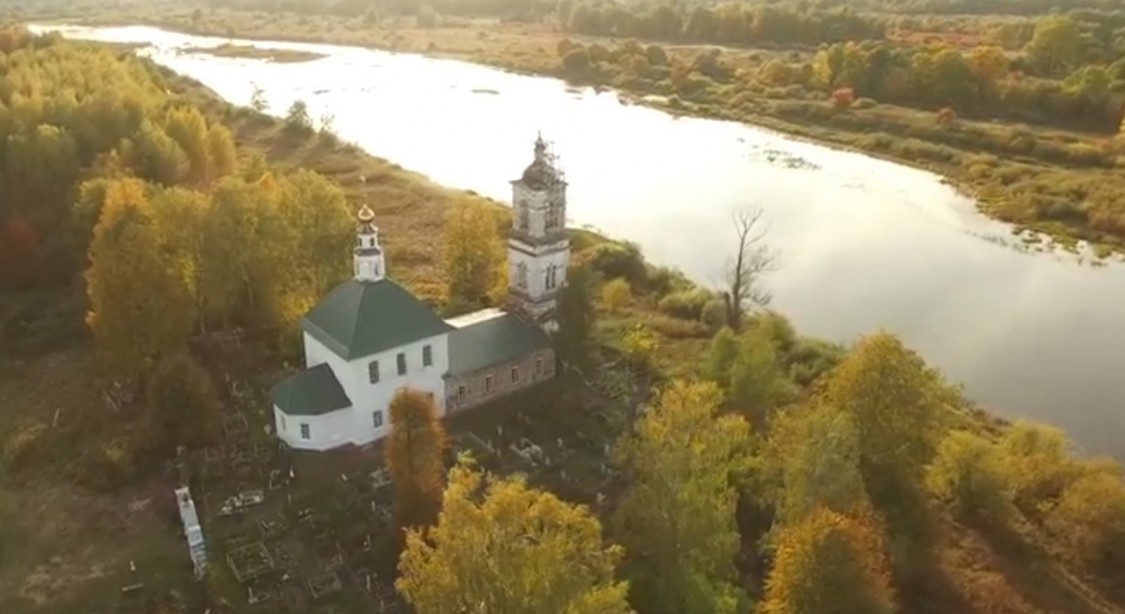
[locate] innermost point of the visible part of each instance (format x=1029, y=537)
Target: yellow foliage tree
x=1036, y=462
x=1089, y=518
x=896, y=403
x=236, y=271
x=967, y=474
x=310, y=237
x=616, y=294
x=500, y=546
x=894, y=399
x=415, y=458
x=830, y=563
x=180, y=216
x=187, y=127
x=474, y=255
x=141, y=304
x=677, y=519
x=813, y=456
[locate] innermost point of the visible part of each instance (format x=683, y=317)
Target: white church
x=369, y=336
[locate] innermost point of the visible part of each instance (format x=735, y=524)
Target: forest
x=768, y=473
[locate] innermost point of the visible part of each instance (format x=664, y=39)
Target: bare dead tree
x=751, y=260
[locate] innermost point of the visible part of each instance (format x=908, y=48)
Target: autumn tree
x=474, y=254
x=141, y=305
x=156, y=156
x=415, y=451
x=500, y=546
x=616, y=294
x=749, y=370
x=1089, y=518
x=1057, y=45
x=752, y=259
x=236, y=275
x=677, y=519
x=830, y=563
x=183, y=407
x=312, y=218
x=896, y=403
x=813, y=459
x=180, y=215
x=1035, y=459
x=187, y=127
x=966, y=474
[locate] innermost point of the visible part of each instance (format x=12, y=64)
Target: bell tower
x=368, y=258
x=538, y=248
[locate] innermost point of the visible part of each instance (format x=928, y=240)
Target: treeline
x=731, y=23
x=1049, y=82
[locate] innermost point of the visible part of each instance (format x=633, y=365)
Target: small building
x=370, y=337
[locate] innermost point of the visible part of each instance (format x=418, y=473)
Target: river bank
x=1051, y=181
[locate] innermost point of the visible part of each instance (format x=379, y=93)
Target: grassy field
x=1058, y=182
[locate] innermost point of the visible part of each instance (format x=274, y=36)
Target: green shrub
x=714, y=313
x=619, y=259
x=674, y=328
x=616, y=294
x=687, y=304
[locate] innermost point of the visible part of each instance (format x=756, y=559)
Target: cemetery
x=288, y=531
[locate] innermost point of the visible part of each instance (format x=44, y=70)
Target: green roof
x=361, y=318
x=493, y=341
x=311, y=392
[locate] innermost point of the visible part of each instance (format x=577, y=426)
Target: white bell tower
x=369, y=264
x=538, y=248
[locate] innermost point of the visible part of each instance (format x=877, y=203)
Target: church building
x=369, y=336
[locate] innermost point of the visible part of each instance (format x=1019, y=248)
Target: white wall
x=537, y=263
x=367, y=398
x=326, y=431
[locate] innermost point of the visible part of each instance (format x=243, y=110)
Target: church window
x=487, y=384
x=552, y=277
x=461, y=393
x=521, y=275
x=373, y=371
x=401, y=363
x=427, y=355
x=554, y=217
x=515, y=374
x=283, y=427
x=377, y=418
x=305, y=432
x=538, y=366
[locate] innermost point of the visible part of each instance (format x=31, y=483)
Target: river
x=864, y=243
